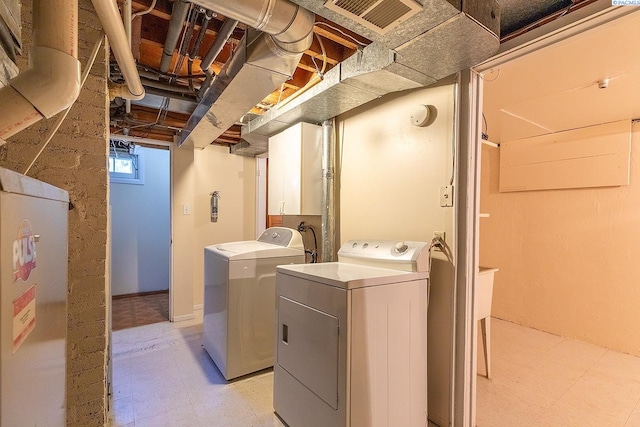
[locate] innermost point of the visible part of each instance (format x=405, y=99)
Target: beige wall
x=196, y=174
x=182, y=233
x=76, y=161
x=568, y=259
x=391, y=171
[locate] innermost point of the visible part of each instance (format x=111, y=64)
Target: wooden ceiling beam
x=339, y=34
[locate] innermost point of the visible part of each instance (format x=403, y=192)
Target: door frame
x=468, y=161
x=152, y=143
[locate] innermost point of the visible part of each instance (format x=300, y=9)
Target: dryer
x=239, y=299
x=351, y=344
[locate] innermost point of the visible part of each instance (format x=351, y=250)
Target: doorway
x=140, y=233
x=562, y=354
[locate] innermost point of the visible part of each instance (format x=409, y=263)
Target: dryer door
x=308, y=348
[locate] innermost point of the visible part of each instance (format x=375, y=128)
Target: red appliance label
x=24, y=316
x=24, y=252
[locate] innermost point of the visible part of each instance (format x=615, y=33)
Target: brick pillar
x=76, y=160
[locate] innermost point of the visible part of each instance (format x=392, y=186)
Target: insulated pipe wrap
x=109, y=15
x=52, y=82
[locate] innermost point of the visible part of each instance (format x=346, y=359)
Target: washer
x=351, y=346
x=239, y=299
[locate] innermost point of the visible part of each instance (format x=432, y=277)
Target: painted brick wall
x=76, y=161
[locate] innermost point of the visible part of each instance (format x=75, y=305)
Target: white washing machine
x=239, y=299
x=351, y=345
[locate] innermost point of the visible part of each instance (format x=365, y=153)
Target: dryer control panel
x=399, y=255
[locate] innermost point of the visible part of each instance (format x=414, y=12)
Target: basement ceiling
x=172, y=96
x=595, y=78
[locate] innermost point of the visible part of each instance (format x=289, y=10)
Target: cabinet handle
x=281, y=207
x=285, y=334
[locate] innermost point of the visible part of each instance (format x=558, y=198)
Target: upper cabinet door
x=295, y=171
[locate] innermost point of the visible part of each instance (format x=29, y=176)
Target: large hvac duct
x=262, y=62
x=441, y=38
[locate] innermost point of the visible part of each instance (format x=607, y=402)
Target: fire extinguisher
x=214, y=206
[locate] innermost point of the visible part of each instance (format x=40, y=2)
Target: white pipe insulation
x=113, y=27
x=52, y=82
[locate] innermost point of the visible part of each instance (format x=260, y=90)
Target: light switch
x=186, y=209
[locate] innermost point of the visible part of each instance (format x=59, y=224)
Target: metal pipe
x=107, y=11
x=290, y=26
x=204, y=25
x=52, y=82
x=226, y=30
x=178, y=16
x=328, y=203
x=167, y=87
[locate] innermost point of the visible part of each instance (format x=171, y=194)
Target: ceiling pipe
x=261, y=63
x=52, y=83
x=290, y=25
x=107, y=11
x=226, y=30
x=178, y=16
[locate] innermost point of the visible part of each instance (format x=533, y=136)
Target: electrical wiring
x=144, y=12
x=56, y=126
x=302, y=227
x=485, y=132
x=350, y=37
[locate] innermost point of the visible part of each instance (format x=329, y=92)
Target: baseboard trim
x=139, y=294
x=197, y=307
x=183, y=317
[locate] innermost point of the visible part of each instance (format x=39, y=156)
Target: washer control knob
x=401, y=247
x=365, y=246
x=354, y=244
x=274, y=235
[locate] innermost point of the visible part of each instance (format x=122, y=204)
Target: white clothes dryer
x=351, y=345
x=239, y=299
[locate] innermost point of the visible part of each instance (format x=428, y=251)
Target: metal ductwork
x=444, y=37
x=261, y=63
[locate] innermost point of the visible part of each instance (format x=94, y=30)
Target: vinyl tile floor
x=543, y=380
x=162, y=376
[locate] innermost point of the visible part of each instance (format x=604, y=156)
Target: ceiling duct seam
x=374, y=72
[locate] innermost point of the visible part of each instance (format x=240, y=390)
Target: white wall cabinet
x=295, y=171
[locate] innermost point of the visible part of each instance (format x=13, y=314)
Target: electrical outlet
x=439, y=234
x=446, y=195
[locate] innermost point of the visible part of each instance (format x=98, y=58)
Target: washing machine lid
x=349, y=276
x=252, y=249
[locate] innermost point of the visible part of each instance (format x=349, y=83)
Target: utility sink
x=484, y=295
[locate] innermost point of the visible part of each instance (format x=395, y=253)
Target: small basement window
x=126, y=163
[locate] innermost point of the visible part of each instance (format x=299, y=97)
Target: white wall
x=141, y=229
